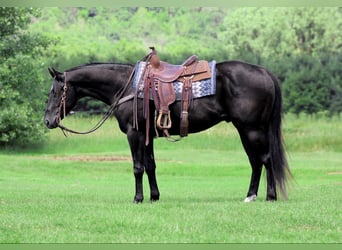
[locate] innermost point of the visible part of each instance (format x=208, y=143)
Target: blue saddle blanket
x=201, y=88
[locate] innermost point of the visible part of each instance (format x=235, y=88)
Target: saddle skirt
x=200, y=88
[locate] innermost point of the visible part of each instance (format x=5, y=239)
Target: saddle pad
x=201, y=88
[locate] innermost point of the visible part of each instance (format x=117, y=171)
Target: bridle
x=63, y=101
x=119, y=99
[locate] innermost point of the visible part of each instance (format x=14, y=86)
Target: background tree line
x=302, y=46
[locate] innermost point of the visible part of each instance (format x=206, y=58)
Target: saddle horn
x=153, y=50
x=154, y=58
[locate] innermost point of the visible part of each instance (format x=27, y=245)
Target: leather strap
x=147, y=86
x=186, y=98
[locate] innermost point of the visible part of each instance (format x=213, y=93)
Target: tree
x=22, y=93
x=302, y=46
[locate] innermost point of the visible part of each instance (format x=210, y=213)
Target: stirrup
x=164, y=120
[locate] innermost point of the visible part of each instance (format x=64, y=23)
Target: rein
x=119, y=100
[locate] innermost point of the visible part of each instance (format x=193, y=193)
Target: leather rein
x=118, y=101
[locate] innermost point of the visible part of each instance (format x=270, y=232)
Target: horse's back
x=249, y=91
x=245, y=75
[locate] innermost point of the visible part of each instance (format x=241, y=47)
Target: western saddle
x=158, y=80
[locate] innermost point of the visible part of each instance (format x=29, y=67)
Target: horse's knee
x=138, y=170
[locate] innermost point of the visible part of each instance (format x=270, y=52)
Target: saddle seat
x=168, y=73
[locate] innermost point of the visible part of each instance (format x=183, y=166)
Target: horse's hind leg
x=255, y=179
x=271, y=183
x=256, y=146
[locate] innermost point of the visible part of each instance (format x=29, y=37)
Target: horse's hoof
x=250, y=198
x=154, y=197
x=152, y=200
x=138, y=200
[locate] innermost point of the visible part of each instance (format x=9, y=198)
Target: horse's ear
x=55, y=74
x=52, y=73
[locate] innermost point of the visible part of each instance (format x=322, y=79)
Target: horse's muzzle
x=51, y=124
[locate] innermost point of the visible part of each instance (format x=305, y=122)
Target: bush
x=20, y=126
x=22, y=88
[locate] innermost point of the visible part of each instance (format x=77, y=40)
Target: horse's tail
x=279, y=165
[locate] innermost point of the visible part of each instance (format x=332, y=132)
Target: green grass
x=50, y=194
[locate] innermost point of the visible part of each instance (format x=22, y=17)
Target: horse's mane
x=98, y=64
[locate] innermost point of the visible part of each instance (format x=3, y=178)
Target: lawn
x=80, y=189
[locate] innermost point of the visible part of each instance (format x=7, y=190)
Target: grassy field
x=80, y=189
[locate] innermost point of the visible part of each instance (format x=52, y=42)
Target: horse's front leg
x=150, y=168
x=136, y=141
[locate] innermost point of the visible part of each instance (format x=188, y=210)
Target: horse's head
x=62, y=99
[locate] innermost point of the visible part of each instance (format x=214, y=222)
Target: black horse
x=247, y=95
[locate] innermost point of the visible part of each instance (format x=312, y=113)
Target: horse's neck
x=100, y=83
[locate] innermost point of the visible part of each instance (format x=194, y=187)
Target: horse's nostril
x=47, y=123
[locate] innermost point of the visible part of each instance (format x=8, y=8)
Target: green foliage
x=20, y=126
x=307, y=88
x=302, y=46
x=22, y=93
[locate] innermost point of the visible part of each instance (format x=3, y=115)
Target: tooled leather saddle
x=158, y=79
